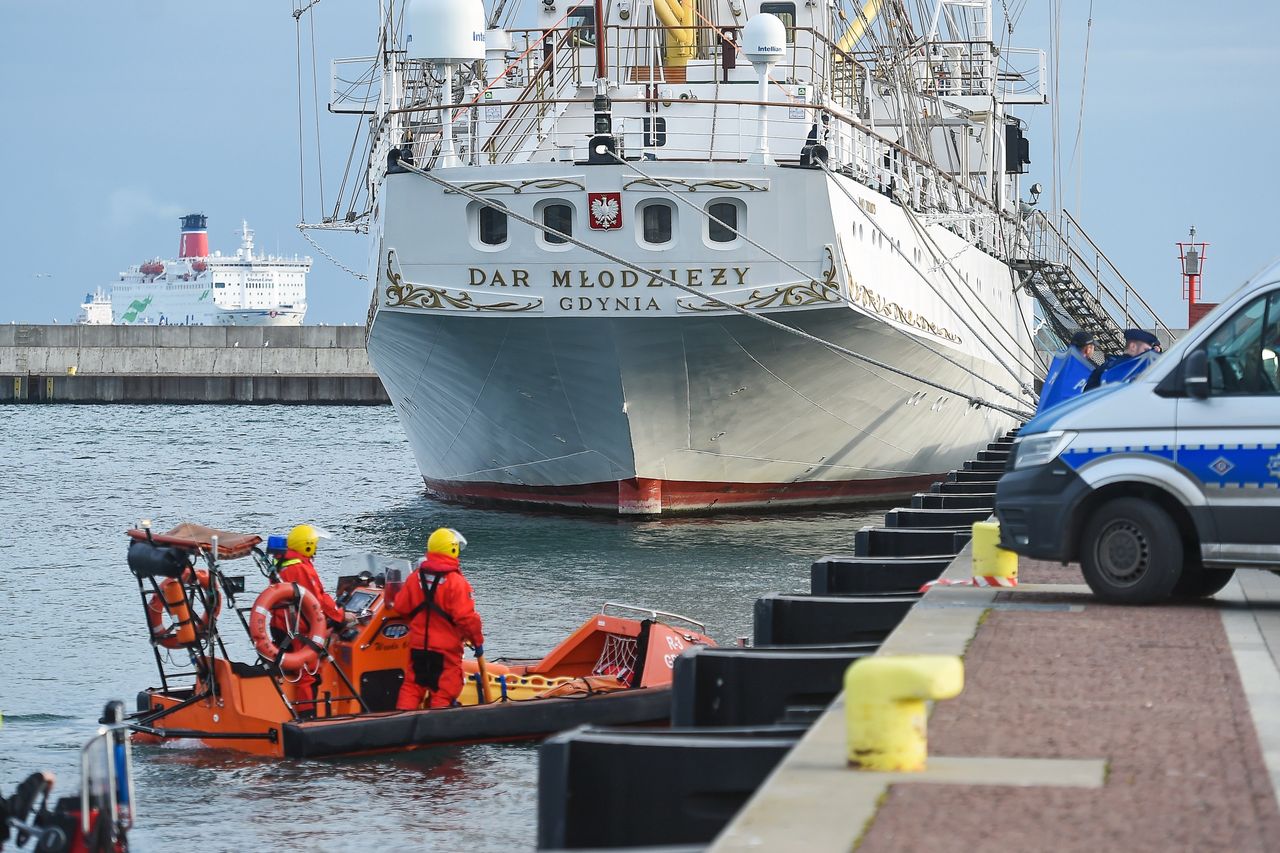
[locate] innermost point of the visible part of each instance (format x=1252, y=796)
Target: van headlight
x=1041, y=449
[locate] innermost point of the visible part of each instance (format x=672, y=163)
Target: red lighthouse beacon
x=1191, y=254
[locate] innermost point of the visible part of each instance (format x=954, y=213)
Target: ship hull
x=675, y=414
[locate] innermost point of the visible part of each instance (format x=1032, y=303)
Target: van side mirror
x=1195, y=373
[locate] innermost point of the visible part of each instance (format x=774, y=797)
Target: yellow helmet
x=446, y=541
x=304, y=539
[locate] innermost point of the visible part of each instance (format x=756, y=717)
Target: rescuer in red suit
x=441, y=610
x=296, y=567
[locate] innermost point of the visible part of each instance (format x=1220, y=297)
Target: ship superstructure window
x=730, y=215
x=657, y=220
x=582, y=20
x=559, y=216
x=655, y=131
x=786, y=12
x=493, y=226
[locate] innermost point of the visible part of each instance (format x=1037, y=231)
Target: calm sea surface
x=72, y=633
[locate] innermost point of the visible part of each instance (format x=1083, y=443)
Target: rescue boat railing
x=656, y=615
x=209, y=643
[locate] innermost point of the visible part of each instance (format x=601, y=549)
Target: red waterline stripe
x=646, y=495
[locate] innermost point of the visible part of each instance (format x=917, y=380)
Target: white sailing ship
x=656, y=256
x=197, y=288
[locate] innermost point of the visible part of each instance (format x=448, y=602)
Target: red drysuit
x=296, y=568
x=430, y=630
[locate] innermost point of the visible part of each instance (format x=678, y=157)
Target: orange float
x=172, y=599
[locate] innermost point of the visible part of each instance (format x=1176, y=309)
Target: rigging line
x=351, y=156
x=302, y=155
x=514, y=63
x=937, y=252
x=706, y=214
x=315, y=109
x=893, y=244
x=738, y=309
x=1015, y=282
x=1084, y=80
x=1057, y=109
x=337, y=263
x=737, y=49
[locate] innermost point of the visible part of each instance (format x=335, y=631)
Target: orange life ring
x=278, y=595
x=172, y=599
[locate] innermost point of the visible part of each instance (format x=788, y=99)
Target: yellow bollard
x=885, y=711
x=989, y=559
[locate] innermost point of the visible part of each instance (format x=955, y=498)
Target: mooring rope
x=609, y=256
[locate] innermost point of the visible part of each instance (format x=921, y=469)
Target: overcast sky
x=119, y=117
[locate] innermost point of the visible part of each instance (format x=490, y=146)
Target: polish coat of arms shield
x=604, y=211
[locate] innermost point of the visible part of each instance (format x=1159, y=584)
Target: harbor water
x=72, y=632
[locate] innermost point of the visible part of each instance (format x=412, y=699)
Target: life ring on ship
x=280, y=595
x=172, y=599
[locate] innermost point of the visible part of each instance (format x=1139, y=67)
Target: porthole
x=725, y=221
x=557, y=215
x=656, y=223
x=493, y=226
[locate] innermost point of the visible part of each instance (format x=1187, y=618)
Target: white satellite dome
x=445, y=30
x=764, y=39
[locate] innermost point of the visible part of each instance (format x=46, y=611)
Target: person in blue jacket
x=1068, y=372
x=1141, y=348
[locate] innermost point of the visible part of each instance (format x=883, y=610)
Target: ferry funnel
x=194, y=242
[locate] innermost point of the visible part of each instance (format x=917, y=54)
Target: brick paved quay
x=1166, y=696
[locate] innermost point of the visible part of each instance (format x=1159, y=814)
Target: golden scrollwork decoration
x=785, y=296
x=517, y=187
x=403, y=294
x=725, y=184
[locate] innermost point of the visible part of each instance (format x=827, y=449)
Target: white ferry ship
x=701, y=255
x=202, y=289
x=96, y=309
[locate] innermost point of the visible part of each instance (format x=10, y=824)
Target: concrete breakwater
x=187, y=364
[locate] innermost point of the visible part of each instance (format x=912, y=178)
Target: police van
x=1166, y=484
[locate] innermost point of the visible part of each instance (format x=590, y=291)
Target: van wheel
x=1199, y=582
x=1131, y=552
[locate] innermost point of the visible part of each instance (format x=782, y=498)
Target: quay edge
x=311, y=365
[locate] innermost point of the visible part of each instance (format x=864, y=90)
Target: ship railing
x=550, y=75
x=1061, y=240
x=637, y=54
x=723, y=130
x=957, y=69
x=518, y=117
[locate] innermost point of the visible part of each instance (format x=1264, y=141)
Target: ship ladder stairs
x=1067, y=304
x=1078, y=287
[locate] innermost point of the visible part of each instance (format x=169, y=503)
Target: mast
x=602, y=66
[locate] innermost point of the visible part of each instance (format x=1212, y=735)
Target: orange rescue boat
x=615, y=669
